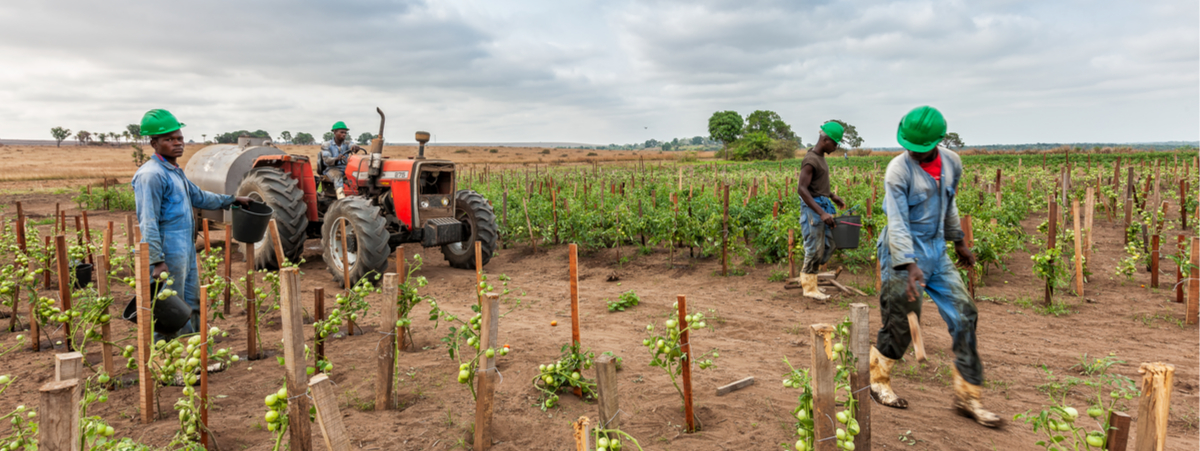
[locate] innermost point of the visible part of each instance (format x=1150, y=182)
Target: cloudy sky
x=1002, y=71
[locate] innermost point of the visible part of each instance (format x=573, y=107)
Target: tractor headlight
x=445, y=201
x=424, y=203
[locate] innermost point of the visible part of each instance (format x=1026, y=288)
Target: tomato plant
x=666, y=351
x=566, y=372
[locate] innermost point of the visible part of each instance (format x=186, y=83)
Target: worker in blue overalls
x=919, y=200
x=817, y=209
x=165, y=199
x=334, y=155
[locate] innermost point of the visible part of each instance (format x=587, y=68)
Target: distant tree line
x=761, y=136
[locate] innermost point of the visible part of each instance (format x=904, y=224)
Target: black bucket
x=83, y=275
x=250, y=223
x=846, y=234
x=170, y=314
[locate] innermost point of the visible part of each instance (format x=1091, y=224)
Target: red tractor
x=387, y=203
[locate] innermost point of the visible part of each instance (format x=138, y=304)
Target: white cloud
x=605, y=71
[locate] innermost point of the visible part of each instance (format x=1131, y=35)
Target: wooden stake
x=207, y=239
x=860, y=347
x=685, y=347
x=1078, y=249
x=1118, y=432
x=64, y=286
x=46, y=273
x=725, y=235
x=385, y=359
x=791, y=258
x=1089, y=211
x=68, y=365
x=1128, y=204
x=299, y=433
x=914, y=328
x=228, y=267
x=204, y=364
x=478, y=273
x=401, y=332
x=1193, y=303
x=969, y=242
x=346, y=272
x=280, y=260
x=1052, y=235
x=606, y=389
x=329, y=419
x=1155, y=406
x=1154, y=261
x=145, y=325
x=58, y=429
x=485, y=375
x=573, y=270
x=106, y=347
x=1179, y=240
x=252, y=306
x=319, y=315
x=823, y=388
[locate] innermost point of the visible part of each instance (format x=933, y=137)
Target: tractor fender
x=299, y=167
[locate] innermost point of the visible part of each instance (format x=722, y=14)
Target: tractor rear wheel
x=283, y=194
x=366, y=240
x=474, y=212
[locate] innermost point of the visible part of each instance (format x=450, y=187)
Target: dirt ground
x=25, y=167
x=757, y=324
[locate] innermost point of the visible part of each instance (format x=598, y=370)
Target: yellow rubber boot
x=967, y=402
x=881, y=381
x=809, y=283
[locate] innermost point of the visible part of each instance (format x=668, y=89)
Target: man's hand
x=242, y=201
x=828, y=219
x=157, y=269
x=839, y=202
x=915, y=278
x=966, y=258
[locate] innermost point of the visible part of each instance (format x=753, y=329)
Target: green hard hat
x=158, y=122
x=833, y=130
x=339, y=125
x=921, y=129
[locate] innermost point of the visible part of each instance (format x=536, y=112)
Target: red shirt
x=933, y=168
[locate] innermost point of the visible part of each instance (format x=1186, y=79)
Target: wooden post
x=145, y=334
x=1078, y=249
x=606, y=389
x=386, y=348
x=823, y=388
x=228, y=267
x=1089, y=211
x=1052, y=235
x=64, y=285
x=280, y=260
x=204, y=364
x=914, y=328
x=207, y=239
x=478, y=273
x=485, y=375
x=1118, y=432
x=106, y=347
x=860, y=346
x=685, y=347
x=969, y=242
x=68, y=365
x=58, y=428
x=329, y=419
x=345, y=272
x=130, y=231
x=1155, y=406
x=1182, y=202
x=1193, y=303
x=319, y=315
x=299, y=433
x=725, y=234
x=46, y=273
x=1128, y=204
x=791, y=258
x=251, y=306
x=573, y=270
x=401, y=332
x=1154, y=261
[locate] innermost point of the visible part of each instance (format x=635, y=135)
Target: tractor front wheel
x=474, y=212
x=365, y=241
x=281, y=192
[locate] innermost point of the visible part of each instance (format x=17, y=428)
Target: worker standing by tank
x=334, y=154
x=920, y=186
x=816, y=213
x=165, y=199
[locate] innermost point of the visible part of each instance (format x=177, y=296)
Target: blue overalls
x=922, y=215
x=165, y=199
x=335, y=170
x=818, y=237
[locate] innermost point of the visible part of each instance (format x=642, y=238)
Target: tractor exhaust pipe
x=377, y=143
x=422, y=137
x=376, y=150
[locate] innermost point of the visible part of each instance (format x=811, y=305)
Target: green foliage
x=328, y=136
x=850, y=136
x=953, y=141
x=628, y=299
x=725, y=126
x=666, y=351
x=60, y=134
x=303, y=139
x=1061, y=423
x=232, y=137
x=769, y=122
x=365, y=138
x=118, y=197
x=566, y=372
x=847, y=423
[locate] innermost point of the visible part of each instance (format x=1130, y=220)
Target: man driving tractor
x=334, y=155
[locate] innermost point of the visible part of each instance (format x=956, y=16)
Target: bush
x=492, y=150
x=545, y=152
x=462, y=151
x=690, y=156
x=592, y=154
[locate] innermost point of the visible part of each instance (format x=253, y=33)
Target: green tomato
x=802, y=414
x=5, y=379
x=1095, y=412
x=1095, y=439
x=841, y=434
x=272, y=416
x=841, y=417
x=1072, y=414
x=549, y=380
x=575, y=375
x=490, y=353
x=801, y=445
x=602, y=442
x=282, y=393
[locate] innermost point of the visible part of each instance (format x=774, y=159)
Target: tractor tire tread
x=484, y=230
x=370, y=229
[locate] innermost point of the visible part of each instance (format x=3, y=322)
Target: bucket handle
x=850, y=223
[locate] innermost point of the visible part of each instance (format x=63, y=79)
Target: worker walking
x=334, y=154
x=165, y=198
x=919, y=201
x=816, y=213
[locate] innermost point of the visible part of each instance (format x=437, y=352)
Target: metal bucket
x=848, y=231
x=250, y=223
